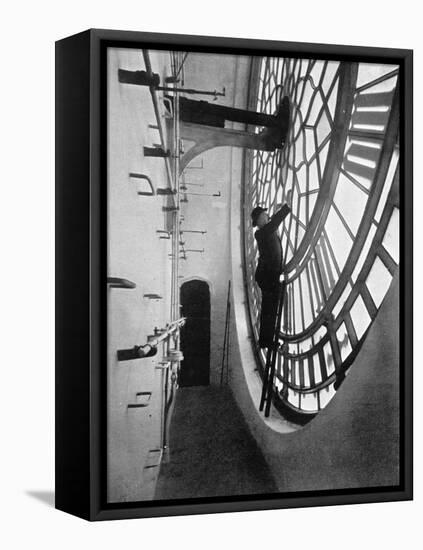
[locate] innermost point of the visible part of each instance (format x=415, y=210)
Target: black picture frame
x=81, y=274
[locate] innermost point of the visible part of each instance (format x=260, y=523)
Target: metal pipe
x=196, y=184
x=204, y=194
x=169, y=330
x=157, y=112
x=150, y=349
x=214, y=93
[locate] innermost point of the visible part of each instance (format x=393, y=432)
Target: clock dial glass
x=340, y=164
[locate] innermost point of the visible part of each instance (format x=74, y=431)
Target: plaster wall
x=136, y=253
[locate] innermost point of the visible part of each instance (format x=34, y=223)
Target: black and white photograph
x=253, y=275
x=210, y=235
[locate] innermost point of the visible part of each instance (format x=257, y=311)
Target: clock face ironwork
x=341, y=242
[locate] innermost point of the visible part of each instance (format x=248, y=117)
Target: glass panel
x=303, y=211
x=351, y=202
x=309, y=402
x=364, y=252
x=343, y=298
x=323, y=156
x=360, y=317
x=313, y=178
x=297, y=373
x=308, y=314
x=332, y=101
x=378, y=281
x=305, y=103
x=360, y=163
x=316, y=71
x=317, y=293
x=304, y=67
x=305, y=345
x=312, y=289
x=339, y=239
x=344, y=341
x=293, y=349
x=323, y=267
x=331, y=68
x=384, y=86
x=302, y=178
x=300, y=235
x=316, y=367
x=288, y=370
x=326, y=395
x=387, y=185
x=310, y=143
x=290, y=309
x=311, y=201
x=294, y=398
x=369, y=143
x=353, y=170
x=299, y=327
x=367, y=72
x=278, y=384
x=391, y=237
x=330, y=364
x=306, y=373
x=318, y=335
x=315, y=109
x=322, y=131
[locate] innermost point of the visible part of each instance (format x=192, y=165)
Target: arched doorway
x=195, y=334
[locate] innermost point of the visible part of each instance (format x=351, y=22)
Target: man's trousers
x=268, y=314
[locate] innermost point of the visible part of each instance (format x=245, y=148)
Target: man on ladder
x=267, y=276
x=269, y=267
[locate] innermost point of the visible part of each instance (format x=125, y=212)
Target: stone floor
x=212, y=453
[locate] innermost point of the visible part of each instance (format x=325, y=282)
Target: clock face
x=341, y=242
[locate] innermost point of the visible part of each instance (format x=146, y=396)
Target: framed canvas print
x=234, y=274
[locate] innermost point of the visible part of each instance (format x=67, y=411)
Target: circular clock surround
x=341, y=242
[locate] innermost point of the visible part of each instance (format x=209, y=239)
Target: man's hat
x=256, y=213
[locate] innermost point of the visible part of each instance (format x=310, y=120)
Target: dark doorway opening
x=195, y=334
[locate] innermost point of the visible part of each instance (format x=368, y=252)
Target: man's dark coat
x=269, y=269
